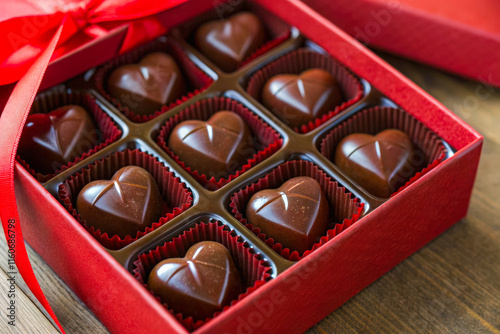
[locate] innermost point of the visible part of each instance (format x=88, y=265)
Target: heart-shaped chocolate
x=299, y=99
x=199, y=284
x=381, y=164
x=51, y=140
x=228, y=42
x=124, y=205
x=294, y=215
x=144, y=87
x=217, y=147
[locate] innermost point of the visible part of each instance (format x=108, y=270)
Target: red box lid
x=458, y=36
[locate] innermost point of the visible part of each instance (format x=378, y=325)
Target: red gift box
x=309, y=289
x=460, y=36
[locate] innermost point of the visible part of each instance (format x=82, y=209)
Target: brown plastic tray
x=214, y=205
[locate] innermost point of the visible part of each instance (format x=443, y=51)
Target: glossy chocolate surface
x=199, y=284
x=217, y=147
x=294, y=215
x=299, y=99
x=144, y=87
x=286, y=222
x=381, y=164
x=52, y=140
x=228, y=42
x=124, y=205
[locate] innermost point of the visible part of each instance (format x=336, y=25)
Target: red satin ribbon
x=25, y=55
x=27, y=27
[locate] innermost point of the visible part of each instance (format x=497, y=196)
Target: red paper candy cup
x=253, y=270
x=430, y=148
x=345, y=210
x=298, y=61
x=196, y=80
x=106, y=133
x=277, y=31
x=267, y=140
x=176, y=196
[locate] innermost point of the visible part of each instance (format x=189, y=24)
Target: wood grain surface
x=450, y=286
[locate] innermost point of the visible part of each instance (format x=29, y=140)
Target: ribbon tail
x=12, y=123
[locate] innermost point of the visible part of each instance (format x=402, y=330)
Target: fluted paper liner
x=107, y=131
x=254, y=271
x=266, y=140
x=430, y=150
x=196, y=80
x=297, y=62
x=345, y=210
x=276, y=31
x=176, y=197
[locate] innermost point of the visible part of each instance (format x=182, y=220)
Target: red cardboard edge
x=115, y=288
x=366, y=264
x=398, y=88
x=413, y=33
x=88, y=56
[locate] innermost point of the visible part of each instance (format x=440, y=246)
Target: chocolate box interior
x=209, y=204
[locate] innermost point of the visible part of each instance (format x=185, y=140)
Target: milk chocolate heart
x=217, y=147
x=228, y=42
x=299, y=99
x=199, y=284
x=144, y=87
x=294, y=215
x=380, y=164
x=52, y=140
x=124, y=205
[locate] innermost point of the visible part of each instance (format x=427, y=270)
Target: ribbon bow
x=25, y=37
x=33, y=33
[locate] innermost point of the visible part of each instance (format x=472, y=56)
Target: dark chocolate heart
x=217, y=147
x=299, y=99
x=228, y=42
x=380, y=164
x=199, y=284
x=124, y=205
x=295, y=215
x=52, y=140
x=144, y=87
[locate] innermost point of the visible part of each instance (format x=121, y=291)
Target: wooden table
x=450, y=286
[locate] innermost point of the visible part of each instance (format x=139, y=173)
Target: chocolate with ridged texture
x=228, y=42
x=125, y=205
x=381, y=164
x=216, y=148
x=144, y=87
x=294, y=215
x=299, y=99
x=52, y=140
x=199, y=284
